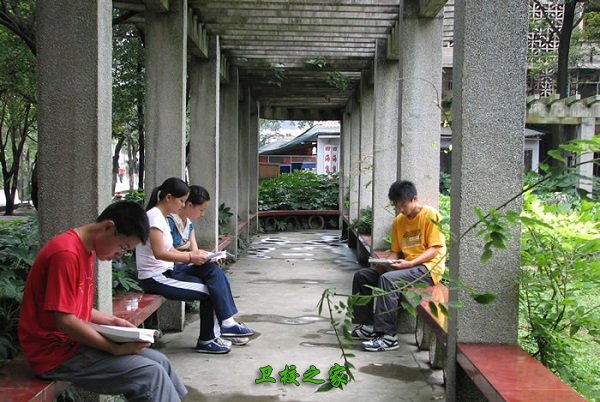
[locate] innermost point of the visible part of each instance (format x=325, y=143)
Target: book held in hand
x=126, y=334
x=380, y=261
x=214, y=257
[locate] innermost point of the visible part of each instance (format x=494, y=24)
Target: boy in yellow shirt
x=418, y=251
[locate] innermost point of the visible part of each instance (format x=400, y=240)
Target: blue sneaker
x=212, y=347
x=238, y=330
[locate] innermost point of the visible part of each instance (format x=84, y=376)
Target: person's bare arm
x=82, y=332
x=174, y=255
x=427, y=255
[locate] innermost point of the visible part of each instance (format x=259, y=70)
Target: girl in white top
x=191, y=279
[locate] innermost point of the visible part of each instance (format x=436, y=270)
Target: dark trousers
x=206, y=283
x=385, y=315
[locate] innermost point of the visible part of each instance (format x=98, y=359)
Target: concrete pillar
x=585, y=131
x=365, y=187
x=243, y=160
x=204, y=137
x=74, y=90
x=253, y=133
x=354, y=173
x=345, y=140
x=228, y=150
x=420, y=101
x=488, y=98
x=166, y=74
x=385, y=143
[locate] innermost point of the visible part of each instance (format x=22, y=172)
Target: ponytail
x=173, y=185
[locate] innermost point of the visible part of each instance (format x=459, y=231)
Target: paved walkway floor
x=277, y=285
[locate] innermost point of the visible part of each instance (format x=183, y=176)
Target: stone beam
x=157, y=6
x=430, y=8
x=284, y=113
x=197, y=36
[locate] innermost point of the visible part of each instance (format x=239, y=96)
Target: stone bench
x=508, y=373
x=315, y=218
x=18, y=383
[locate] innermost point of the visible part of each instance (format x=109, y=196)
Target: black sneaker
x=362, y=332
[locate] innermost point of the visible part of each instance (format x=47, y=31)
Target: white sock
x=204, y=342
x=229, y=322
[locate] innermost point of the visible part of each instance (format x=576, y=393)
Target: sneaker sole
x=232, y=335
x=381, y=349
x=237, y=341
x=212, y=352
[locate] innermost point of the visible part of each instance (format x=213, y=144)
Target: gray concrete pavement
x=277, y=286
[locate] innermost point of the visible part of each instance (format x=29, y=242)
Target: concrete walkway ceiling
x=302, y=59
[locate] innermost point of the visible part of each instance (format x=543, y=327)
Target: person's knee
x=387, y=281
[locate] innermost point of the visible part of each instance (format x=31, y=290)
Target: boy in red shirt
x=58, y=305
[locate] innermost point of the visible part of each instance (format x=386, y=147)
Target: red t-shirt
x=61, y=279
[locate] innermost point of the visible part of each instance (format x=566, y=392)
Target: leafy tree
x=128, y=99
x=17, y=111
x=569, y=47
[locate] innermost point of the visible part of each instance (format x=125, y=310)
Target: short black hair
x=402, y=191
x=129, y=217
x=198, y=195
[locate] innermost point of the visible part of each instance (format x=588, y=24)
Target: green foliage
x=338, y=80
x=18, y=112
x=19, y=243
x=364, y=223
x=124, y=275
x=299, y=190
x=559, y=306
x=276, y=76
x=137, y=196
x=225, y=215
x=591, y=27
x=318, y=62
x=445, y=184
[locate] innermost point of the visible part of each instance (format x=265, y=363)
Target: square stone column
x=74, y=93
x=253, y=133
x=585, y=131
x=354, y=173
x=365, y=185
x=420, y=101
x=166, y=74
x=490, y=64
x=228, y=150
x=204, y=137
x=243, y=161
x=345, y=141
x=385, y=142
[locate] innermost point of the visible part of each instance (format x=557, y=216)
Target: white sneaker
x=238, y=340
x=381, y=343
x=223, y=342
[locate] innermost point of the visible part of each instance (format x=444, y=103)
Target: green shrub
x=137, y=196
x=364, y=223
x=299, y=190
x=19, y=243
x=559, y=302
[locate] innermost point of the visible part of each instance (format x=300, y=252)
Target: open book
x=126, y=334
x=219, y=255
x=380, y=261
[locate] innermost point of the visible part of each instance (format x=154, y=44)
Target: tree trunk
x=564, y=46
x=141, y=142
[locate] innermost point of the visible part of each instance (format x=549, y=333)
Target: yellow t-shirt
x=411, y=237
